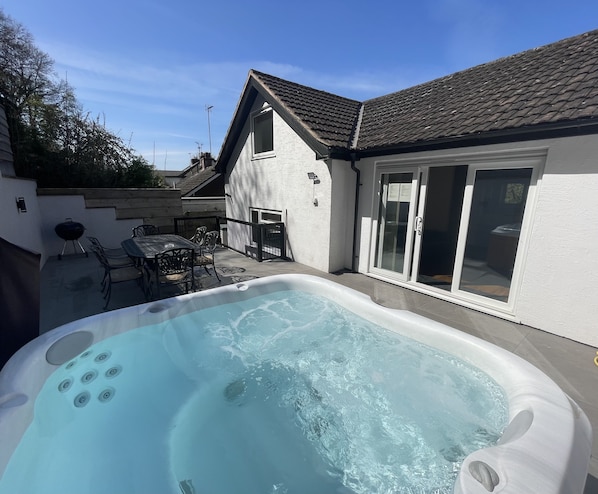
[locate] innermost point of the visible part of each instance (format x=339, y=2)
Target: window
x=263, y=216
x=263, y=132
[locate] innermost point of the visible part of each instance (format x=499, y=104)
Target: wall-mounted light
x=314, y=177
x=21, y=206
x=316, y=180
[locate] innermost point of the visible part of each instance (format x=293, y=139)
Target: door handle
x=419, y=221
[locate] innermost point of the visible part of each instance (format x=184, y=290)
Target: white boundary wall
x=34, y=230
x=22, y=229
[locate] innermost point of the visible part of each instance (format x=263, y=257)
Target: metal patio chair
x=109, y=253
x=112, y=262
x=200, y=234
x=207, y=257
x=117, y=274
x=174, y=267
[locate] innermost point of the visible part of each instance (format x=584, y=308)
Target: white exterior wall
x=557, y=291
x=98, y=222
x=280, y=183
x=342, y=213
x=22, y=229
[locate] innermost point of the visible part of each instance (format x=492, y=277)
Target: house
x=479, y=188
x=201, y=179
x=171, y=178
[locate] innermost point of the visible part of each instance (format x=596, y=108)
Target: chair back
x=210, y=242
x=174, y=261
x=199, y=235
x=100, y=256
x=94, y=242
x=142, y=230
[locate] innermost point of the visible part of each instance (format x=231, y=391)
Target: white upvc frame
x=262, y=211
x=512, y=159
x=264, y=154
x=381, y=170
x=536, y=165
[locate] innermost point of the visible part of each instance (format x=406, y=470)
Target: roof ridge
x=357, y=128
x=263, y=75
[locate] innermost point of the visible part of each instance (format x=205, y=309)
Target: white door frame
x=533, y=159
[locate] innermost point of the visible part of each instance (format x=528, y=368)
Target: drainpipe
x=356, y=212
x=353, y=157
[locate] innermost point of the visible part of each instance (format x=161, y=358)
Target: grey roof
x=192, y=183
x=552, y=90
x=552, y=84
x=170, y=173
x=330, y=118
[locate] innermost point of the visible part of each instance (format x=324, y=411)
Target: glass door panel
x=496, y=213
x=441, y=218
x=393, y=236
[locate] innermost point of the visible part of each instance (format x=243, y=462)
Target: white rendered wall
x=281, y=183
x=98, y=222
x=558, y=292
x=22, y=229
x=342, y=214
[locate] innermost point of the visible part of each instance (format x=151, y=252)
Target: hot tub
x=218, y=391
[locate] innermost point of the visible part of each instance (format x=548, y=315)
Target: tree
x=53, y=139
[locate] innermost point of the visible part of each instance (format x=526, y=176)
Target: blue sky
x=150, y=68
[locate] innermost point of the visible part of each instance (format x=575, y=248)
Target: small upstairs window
x=263, y=132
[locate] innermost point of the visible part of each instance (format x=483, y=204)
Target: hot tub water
x=286, y=392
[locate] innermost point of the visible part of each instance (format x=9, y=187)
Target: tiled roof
x=547, y=85
x=554, y=85
x=329, y=117
x=192, y=182
x=551, y=90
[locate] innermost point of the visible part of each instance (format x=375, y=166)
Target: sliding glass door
x=453, y=228
x=496, y=208
x=394, y=233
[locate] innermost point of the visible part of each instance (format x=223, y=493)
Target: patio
x=70, y=290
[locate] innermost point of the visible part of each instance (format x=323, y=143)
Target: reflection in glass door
x=394, y=215
x=493, y=230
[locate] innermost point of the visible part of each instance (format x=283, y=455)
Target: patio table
x=144, y=250
x=146, y=247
